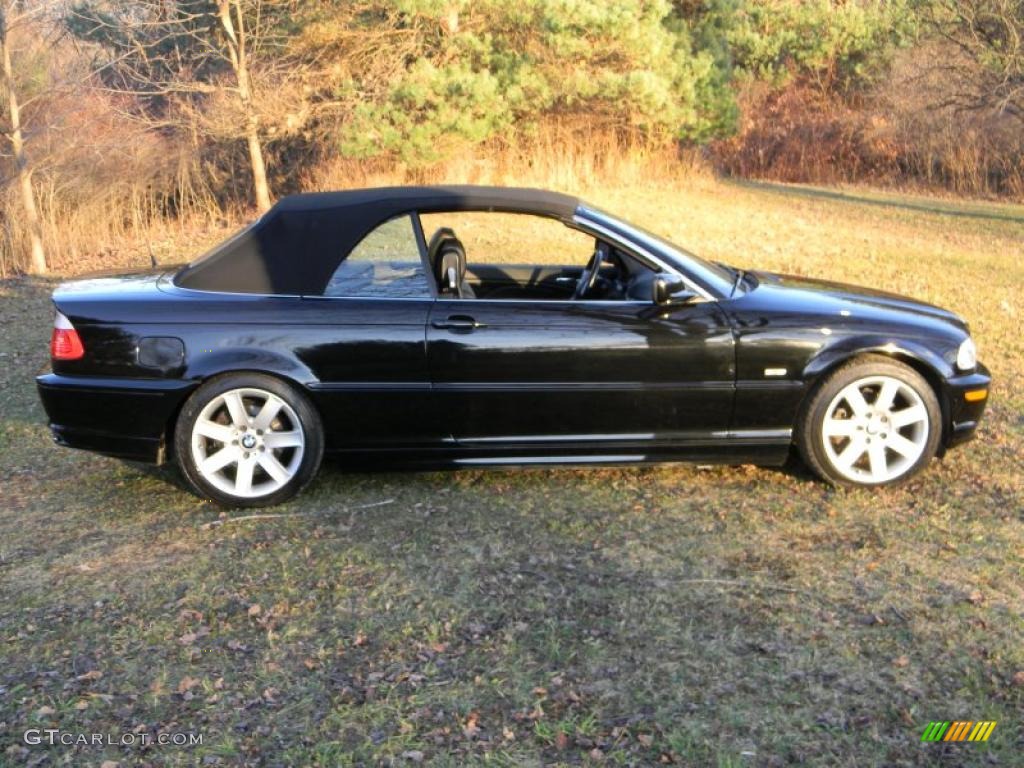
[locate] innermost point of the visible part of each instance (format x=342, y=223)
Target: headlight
x=967, y=355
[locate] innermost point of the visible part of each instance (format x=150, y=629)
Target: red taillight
x=65, y=343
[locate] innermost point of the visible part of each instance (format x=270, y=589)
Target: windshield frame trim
x=662, y=264
x=617, y=228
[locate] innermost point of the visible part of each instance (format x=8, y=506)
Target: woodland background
x=132, y=130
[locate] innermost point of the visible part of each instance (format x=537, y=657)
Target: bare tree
x=205, y=67
x=986, y=68
x=235, y=44
x=37, y=256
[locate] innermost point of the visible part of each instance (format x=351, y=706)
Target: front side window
x=385, y=264
x=527, y=257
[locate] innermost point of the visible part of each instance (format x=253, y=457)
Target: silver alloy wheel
x=247, y=442
x=875, y=429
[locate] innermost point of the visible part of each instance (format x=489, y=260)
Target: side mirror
x=670, y=289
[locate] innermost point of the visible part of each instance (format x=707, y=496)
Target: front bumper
x=964, y=406
x=126, y=418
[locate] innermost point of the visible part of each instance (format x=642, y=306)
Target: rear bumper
x=964, y=412
x=126, y=418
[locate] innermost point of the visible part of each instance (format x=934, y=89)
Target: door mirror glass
x=670, y=289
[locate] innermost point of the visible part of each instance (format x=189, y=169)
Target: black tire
x=301, y=411
x=809, y=433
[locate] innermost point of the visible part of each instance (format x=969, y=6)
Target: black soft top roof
x=295, y=247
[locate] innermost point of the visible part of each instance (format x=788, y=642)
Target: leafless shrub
x=906, y=131
x=978, y=152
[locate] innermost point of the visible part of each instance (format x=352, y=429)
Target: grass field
x=678, y=615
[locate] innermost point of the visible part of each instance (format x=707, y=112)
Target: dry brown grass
x=117, y=194
x=120, y=193
x=555, y=155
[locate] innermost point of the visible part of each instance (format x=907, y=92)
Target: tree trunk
x=240, y=65
x=37, y=257
x=259, y=170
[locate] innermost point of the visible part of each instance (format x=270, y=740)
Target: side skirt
x=772, y=451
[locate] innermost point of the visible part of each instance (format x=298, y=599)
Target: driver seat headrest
x=451, y=267
x=447, y=258
x=436, y=240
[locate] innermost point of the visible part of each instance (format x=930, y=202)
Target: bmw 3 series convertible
x=469, y=326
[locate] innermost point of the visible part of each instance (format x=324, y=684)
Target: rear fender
x=203, y=364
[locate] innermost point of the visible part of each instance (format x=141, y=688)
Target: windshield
x=716, y=278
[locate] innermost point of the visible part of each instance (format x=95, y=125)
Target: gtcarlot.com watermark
x=54, y=737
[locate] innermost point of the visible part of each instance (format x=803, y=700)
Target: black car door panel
x=589, y=372
x=369, y=357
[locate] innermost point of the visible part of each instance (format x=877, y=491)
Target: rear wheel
x=872, y=422
x=248, y=440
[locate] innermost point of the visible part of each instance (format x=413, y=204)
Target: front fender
x=830, y=356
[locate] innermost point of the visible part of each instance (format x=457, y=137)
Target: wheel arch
x=167, y=438
x=932, y=368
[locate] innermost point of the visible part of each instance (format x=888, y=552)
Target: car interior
x=529, y=258
x=610, y=274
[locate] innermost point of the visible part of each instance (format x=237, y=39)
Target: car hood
x=859, y=295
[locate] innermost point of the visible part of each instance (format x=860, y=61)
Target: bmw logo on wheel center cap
x=248, y=441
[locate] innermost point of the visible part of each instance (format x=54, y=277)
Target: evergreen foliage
x=414, y=79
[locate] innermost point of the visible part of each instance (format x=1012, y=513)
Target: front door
x=585, y=376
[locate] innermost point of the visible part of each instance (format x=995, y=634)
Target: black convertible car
x=478, y=325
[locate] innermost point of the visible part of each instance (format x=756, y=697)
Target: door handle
x=458, y=323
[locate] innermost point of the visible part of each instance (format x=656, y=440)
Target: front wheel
x=872, y=422
x=248, y=440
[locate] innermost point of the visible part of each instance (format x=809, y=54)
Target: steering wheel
x=590, y=273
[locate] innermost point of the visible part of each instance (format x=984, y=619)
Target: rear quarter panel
x=362, y=361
